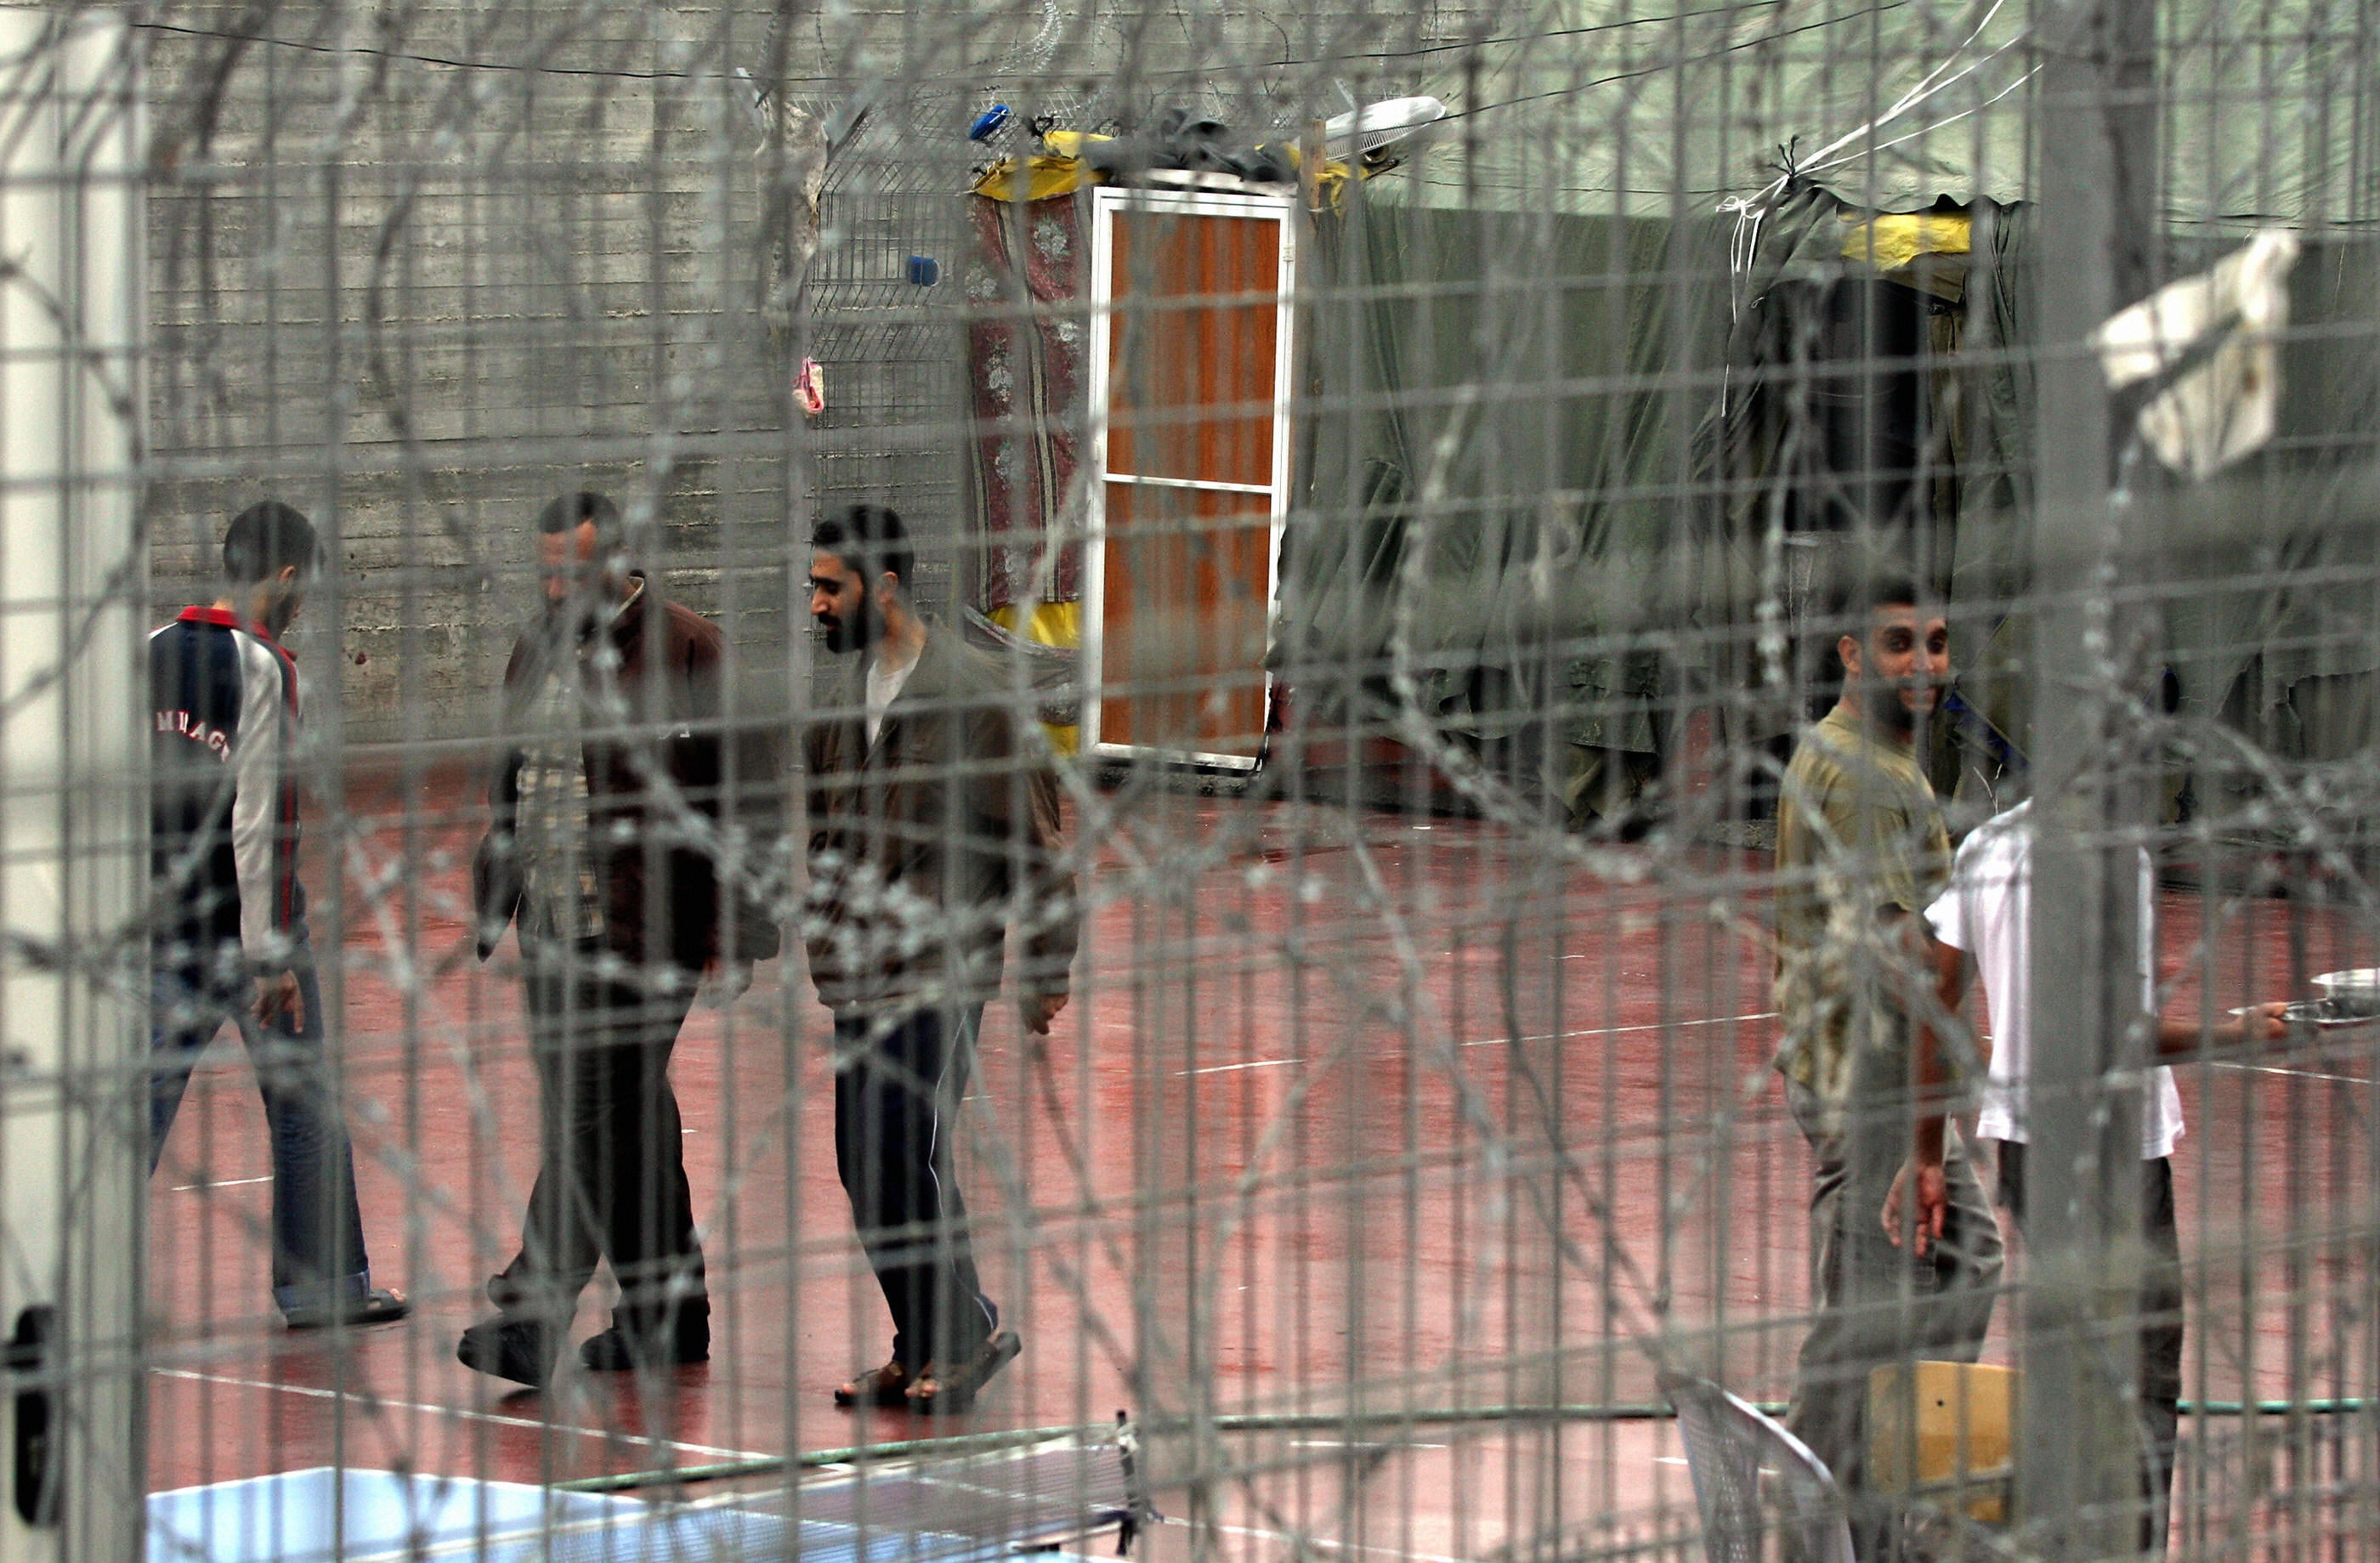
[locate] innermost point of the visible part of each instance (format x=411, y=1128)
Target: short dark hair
x=266, y=538
x=870, y=539
x=1879, y=588
x=568, y=512
x=1857, y=597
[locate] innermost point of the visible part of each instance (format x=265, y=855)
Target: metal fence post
x=2080, y=1466
x=72, y=799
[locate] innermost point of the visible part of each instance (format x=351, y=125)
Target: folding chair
x=1730, y=1446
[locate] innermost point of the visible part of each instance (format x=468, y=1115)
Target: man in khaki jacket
x=1861, y=851
x=932, y=827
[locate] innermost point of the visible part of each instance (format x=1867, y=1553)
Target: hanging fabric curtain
x=1028, y=289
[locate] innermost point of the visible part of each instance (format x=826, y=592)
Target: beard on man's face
x=1897, y=712
x=1883, y=701
x=281, y=612
x=852, y=634
x=575, y=610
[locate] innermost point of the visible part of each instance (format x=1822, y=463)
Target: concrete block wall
x=416, y=269
x=416, y=279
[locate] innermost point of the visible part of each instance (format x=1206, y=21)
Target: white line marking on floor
x=2292, y=1073
x=1498, y=1041
x=1334, y=1545
x=226, y=1183
x=1623, y=1030
x=464, y=1414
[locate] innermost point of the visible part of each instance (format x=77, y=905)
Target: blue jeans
x=318, y=1241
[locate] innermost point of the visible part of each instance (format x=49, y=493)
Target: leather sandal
x=378, y=1307
x=938, y=1392
x=886, y=1385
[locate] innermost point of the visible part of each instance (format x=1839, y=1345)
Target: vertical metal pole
x=2079, y=1470
x=73, y=812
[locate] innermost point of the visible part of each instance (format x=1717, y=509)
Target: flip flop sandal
x=886, y=1385
x=380, y=1305
x=935, y=1392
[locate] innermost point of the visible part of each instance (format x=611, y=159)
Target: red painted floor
x=1350, y=1109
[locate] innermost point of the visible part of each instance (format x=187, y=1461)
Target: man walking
x=1861, y=850
x=230, y=942
x=1982, y=920
x=931, y=828
x=607, y=821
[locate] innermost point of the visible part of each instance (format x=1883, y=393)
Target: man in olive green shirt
x=1861, y=851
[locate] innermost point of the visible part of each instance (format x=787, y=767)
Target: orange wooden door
x=1192, y=478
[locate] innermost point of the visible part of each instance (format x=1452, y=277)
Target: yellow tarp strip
x=1896, y=240
x=1062, y=171
x=1041, y=179
x=1053, y=623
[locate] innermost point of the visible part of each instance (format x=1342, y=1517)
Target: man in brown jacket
x=932, y=827
x=621, y=792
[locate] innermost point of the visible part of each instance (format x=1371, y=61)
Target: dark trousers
x=2160, y=1324
x=611, y=1177
x=898, y=1083
x=318, y=1236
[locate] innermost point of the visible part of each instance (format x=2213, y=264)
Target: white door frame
x=1105, y=204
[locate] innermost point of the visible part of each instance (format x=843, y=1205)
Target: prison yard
x=1319, y=1211
x=1463, y=782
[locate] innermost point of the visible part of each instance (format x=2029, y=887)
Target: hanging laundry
x=2217, y=334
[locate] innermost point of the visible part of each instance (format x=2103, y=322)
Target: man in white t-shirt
x=1981, y=922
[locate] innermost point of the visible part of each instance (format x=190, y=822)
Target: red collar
x=195, y=614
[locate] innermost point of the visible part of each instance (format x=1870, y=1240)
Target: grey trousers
x=1872, y=1303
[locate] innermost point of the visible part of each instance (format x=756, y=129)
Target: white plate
x=2359, y=985
x=2305, y=1015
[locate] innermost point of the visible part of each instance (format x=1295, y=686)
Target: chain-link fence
x=1522, y=645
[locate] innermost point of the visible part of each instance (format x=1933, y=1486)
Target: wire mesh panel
x=71, y=785
x=880, y=730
